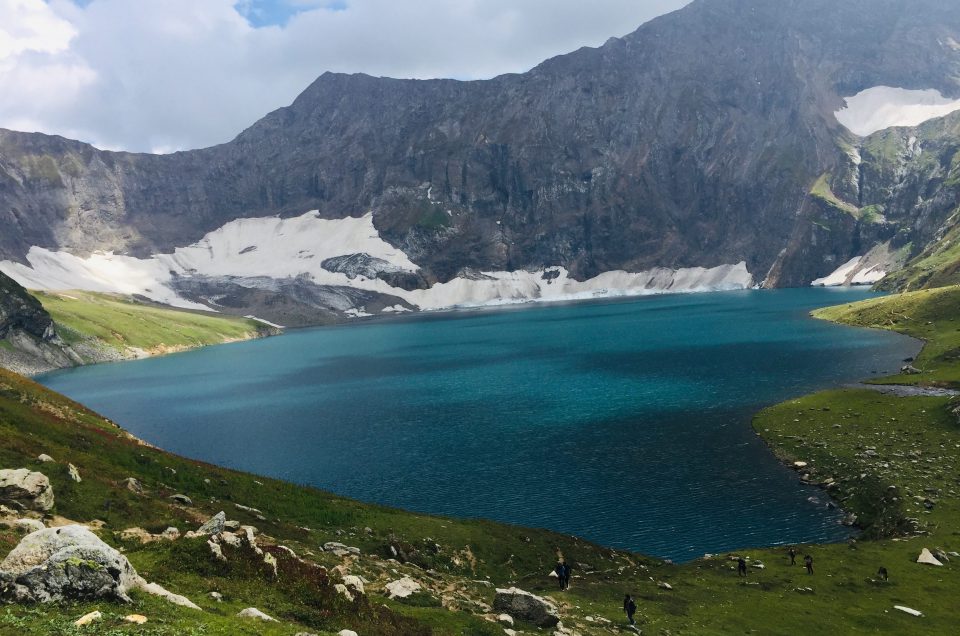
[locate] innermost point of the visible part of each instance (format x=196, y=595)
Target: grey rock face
x=526, y=606
x=26, y=490
x=215, y=525
x=68, y=563
x=693, y=141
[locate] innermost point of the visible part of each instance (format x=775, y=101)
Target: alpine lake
x=626, y=422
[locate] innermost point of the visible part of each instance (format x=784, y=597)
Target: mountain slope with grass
x=891, y=461
x=44, y=331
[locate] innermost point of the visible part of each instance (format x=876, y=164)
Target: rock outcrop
x=26, y=490
x=68, y=563
x=526, y=607
x=71, y=563
x=28, y=331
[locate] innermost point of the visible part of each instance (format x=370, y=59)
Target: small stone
x=926, y=557
x=136, y=619
x=86, y=619
x=74, y=473
x=506, y=619
x=908, y=610
x=254, y=613
x=217, y=596
x=182, y=499
x=44, y=458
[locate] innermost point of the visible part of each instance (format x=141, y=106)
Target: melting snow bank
x=883, y=107
x=868, y=269
x=337, y=254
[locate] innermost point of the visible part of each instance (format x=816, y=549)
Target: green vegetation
x=937, y=266
x=122, y=324
x=890, y=460
x=821, y=190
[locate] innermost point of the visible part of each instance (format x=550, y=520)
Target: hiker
x=559, y=571
x=630, y=608
x=793, y=556
x=566, y=575
x=882, y=573
x=808, y=563
x=741, y=567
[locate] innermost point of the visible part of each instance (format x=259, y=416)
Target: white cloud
x=170, y=74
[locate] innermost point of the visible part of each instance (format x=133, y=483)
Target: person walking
x=882, y=573
x=741, y=567
x=566, y=575
x=792, y=552
x=808, y=563
x=559, y=570
x=630, y=607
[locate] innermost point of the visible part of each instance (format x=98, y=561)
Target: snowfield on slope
x=882, y=107
x=278, y=248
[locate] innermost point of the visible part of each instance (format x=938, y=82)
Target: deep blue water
x=625, y=422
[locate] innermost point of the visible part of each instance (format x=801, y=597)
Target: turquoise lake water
x=624, y=422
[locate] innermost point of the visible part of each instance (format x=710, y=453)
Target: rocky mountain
x=702, y=150
x=28, y=337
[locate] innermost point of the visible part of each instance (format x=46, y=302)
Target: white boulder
x=26, y=490
x=526, y=607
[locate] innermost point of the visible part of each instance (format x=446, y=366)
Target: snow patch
x=882, y=107
x=252, y=252
x=868, y=269
x=265, y=322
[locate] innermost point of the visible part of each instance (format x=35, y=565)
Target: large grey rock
x=215, y=525
x=68, y=563
x=526, y=606
x=26, y=490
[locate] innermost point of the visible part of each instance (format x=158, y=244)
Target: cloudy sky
x=163, y=75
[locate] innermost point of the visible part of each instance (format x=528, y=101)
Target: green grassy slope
x=914, y=445
x=118, y=323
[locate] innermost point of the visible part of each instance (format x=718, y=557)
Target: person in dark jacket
x=808, y=563
x=559, y=570
x=741, y=567
x=566, y=576
x=882, y=573
x=630, y=607
x=792, y=552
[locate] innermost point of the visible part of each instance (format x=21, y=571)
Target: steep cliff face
x=28, y=338
x=695, y=141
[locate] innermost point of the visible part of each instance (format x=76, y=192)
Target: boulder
x=927, y=558
x=909, y=369
x=72, y=563
x=26, y=526
x=402, y=588
x=339, y=549
x=25, y=490
x=215, y=525
x=136, y=619
x=182, y=499
x=526, y=607
x=506, y=619
x=355, y=582
x=44, y=458
x=68, y=563
x=347, y=632
x=253, y=612
x=133, y=485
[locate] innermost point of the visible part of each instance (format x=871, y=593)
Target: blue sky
x=262, y=13
x=166, y=75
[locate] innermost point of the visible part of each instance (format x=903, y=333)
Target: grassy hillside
x=101, y=324
x=889, y=456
